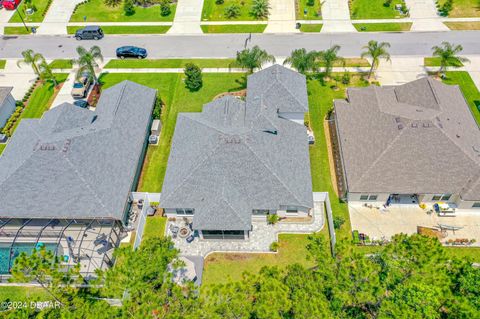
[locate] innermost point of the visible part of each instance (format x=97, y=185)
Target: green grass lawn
x=313, y=12
x=469, y=90
x=374, y=9
x=61, y=64
x=234, y=28
x=37, y=16
x=2, y=64
x=473, y=25
x=17, y=31
x=167, y=63
x=97, y=11
x=216, y=12
x=11, y=293
x=2, y=147
x=137, y=29
x=311, y=27
x=435, y=61
x=463, y=8
x=177, y=99
x=382, y=27
x=41, y=99
x=349, y=62
x=155, y=227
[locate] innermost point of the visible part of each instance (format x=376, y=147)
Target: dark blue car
x=131, y=52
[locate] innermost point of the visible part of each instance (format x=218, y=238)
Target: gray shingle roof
x=4, y=92
x=419, y=137
x=224, y=164
x=279, y=87
x=75, y=163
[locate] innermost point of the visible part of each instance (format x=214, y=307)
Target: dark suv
x=89, y=33
x=131, y=52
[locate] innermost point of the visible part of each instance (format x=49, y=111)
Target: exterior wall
x=428, y=199
x=6, y=109
x=297, y=117
x=465, y=204
x=302, y=212
x=355, y=197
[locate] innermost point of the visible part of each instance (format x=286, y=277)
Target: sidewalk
x=424, y=16
x=187, y=17
x=282, y=17
x=473, y=69
x=57, y=17
x=336, y=16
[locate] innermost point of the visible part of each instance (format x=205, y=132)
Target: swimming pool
x=17, y=250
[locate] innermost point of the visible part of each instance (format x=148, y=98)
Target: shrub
x=193, y=75
x=129, y=8
x=112, y=3
x=387, y=3
x=310, y=3
x=157, y=109
x=165, y=9
x=219, y=1
x=346, y=78
x=274, y=246
x=232, y=11
x=338, y=222
x=260, y=9
x=446, y=8
x=273, y=219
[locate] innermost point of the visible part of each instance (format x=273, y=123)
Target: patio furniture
x=190, y=239
x=174, y=230
x=100, y=238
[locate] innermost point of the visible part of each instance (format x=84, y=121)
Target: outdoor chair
x=190, y=239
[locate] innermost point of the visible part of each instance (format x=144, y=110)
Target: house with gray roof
x=409, y=144
x=238, y=160
x=74, y=169
x=7, y=104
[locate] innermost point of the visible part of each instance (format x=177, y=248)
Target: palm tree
x=46, y=73
x=447, y=53
x=33, y=59
x=87, y=61
x=329, y=57
x=302, y=60
x=253, y=58
x=375, y=51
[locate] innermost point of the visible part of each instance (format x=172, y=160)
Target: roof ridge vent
x=271, y=131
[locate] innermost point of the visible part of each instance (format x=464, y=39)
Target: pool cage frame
x=96, y=239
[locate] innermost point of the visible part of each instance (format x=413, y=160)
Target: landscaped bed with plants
x=308, y=9
x=232, y=10
x=459, y=8
x=39, y=7
x=123, y=29
x=177, y=98
x=167, y=63
x=124, y=11
x=382, y=27
x=234, y=28
x=376, y=9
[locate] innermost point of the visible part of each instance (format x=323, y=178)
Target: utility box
x=156, y=128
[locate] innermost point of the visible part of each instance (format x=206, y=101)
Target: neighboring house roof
x=75, y=163
x=279, y=87
x=419, y=137
x=234, y=157
x=4, y=93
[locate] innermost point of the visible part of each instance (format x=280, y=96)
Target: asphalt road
x=226, y=45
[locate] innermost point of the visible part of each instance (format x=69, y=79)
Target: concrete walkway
x=187, y=17
x=336, y=16
x=424, y=16
x=21, y=78
x=5, y=15
x=473, y=69
x=282, y=17
x=57, y=17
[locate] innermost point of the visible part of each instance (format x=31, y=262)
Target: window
x=476, y=205
x=185, y=211
x=372, y=197
x=223, y=234
x=363, y=197
x=260, y=212
x=441, y=197
x=292, y=210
